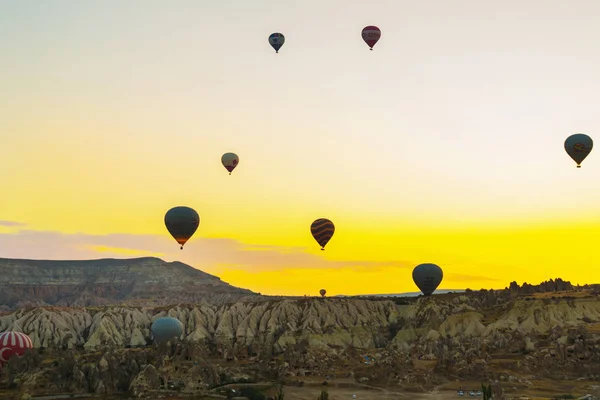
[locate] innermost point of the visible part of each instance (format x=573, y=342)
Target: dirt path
x=362, y=392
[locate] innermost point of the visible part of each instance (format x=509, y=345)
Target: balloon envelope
x=230, y=161
x=322, y=230
x=276, y=40
x=578, y=146
x=166, y=328
x=371, y=35
x=427, y=277
x=323, y=292
x=13, y=344
x=182, y=222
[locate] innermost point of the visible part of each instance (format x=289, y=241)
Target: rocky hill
x=523, y=341
x=147, y=281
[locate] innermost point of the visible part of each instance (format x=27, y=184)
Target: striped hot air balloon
x=322, y=230
x=13, y=343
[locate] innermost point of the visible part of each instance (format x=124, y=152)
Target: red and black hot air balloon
x=322, y=230
x=13, y=344
x=371, y=35
x=322, y=292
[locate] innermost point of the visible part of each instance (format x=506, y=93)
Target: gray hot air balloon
x=578, y=146
x=181, y=223
x=230, y=161
x=165, y=329
x=427, y=277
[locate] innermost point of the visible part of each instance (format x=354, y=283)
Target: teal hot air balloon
x=578, y=146
x=165, y=329
x=182, y=222
x=427, y=277
x=276, y=40
x=322, y=230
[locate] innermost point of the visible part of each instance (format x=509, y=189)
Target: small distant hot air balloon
x=276, y=40
x=427, y=277
x=371, y=35
x=323, y=292
x=230, y=161
x=578, y=146
x=13, y=344
x=182, y=222
x=322, y=230
x=166, y=328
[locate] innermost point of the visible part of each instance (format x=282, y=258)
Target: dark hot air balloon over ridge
x=323, y=292
x=182, y=222
x=427, y=277
x=322, y=230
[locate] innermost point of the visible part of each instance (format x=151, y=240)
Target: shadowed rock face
x=150, y=281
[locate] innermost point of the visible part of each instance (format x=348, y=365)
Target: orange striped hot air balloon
x=322, y=230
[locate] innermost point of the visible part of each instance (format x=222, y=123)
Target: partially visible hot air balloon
x=181, y=223
x=578, y=146
x=166, y=328
x=13, y=344
x=276, y=40
x=322, y=230
x=427, y=277
x=230, y=161
x=323, y=292
x=371, y=35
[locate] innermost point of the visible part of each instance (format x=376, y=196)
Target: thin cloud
x=12, y=223
x=209, y=254
x=469, y=278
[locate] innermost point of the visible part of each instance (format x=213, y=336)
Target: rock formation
x=486, y=335
x=144, y=281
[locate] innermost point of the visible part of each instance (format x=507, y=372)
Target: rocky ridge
x=139, y=281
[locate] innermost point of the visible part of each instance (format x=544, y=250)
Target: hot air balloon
x=578, y=146
x=166, y=328
x=371, y=35
x=230, y=161
x=13, y=343
x=276, y=40
x=323, y=292
x=181, y=223
x=427, y=277
x=322, y=230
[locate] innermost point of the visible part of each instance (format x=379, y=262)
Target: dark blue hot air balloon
x=276, y=40
x=165, y=329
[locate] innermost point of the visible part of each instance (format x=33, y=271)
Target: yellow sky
x=444, y=144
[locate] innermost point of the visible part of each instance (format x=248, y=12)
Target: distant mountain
x=137, y=281
x=405, y=294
